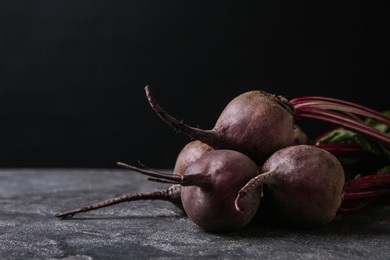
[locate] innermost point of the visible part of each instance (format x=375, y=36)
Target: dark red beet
x=255, y=123
x=302, y=185
x=209, y=190
x=190, y=153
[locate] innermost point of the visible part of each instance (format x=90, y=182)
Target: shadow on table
x=374, y=219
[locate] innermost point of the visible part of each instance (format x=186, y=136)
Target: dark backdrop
x=72, y=73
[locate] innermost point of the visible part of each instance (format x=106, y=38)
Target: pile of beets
x=256, y=159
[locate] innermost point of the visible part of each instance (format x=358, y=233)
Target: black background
x=72, y=73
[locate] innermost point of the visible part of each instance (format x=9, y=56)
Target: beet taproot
x=191, y=152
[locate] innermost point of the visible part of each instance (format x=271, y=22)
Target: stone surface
x=157, y=229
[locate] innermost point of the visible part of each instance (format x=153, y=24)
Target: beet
x=210, y=187
x=302, y=185
x=255, y=123
x=190, y=153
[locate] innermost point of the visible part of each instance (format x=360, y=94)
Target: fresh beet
x=255, y=123
x=189, y=154
x=302, y=185
x=210, y=187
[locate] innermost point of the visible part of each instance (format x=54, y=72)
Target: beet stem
x=338, y=119
x=351, y=207
x=367, y=182
x=339, y=105
x=365, y=194
x=340, y=149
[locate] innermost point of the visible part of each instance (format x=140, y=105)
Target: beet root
x=210, y=187
x=172, y=194
x=302, y=185
x=255, y=123
x=190, y=153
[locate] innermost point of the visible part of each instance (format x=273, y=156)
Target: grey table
x=29, y=198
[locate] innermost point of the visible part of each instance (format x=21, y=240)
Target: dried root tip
x=206, y=136
x=241, y=194
x=64, y=215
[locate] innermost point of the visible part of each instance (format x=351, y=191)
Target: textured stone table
x=156, y=229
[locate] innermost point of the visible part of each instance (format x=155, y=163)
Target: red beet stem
x=343, y=113
x=348, y=206
x=340, y=105
x=366, y=194
x=339, y=149
x=368, y=181
x=344, y=121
